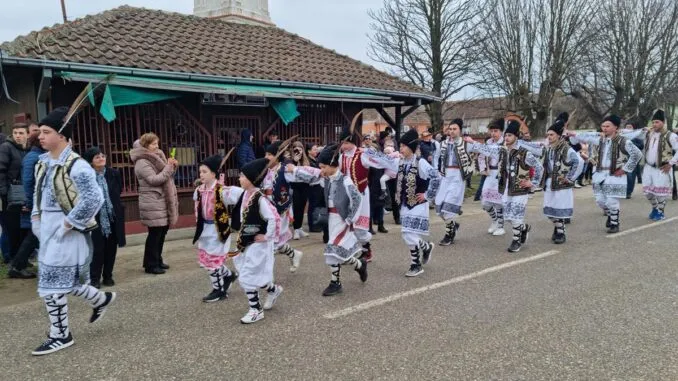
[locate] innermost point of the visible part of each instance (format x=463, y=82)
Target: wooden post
x=398, y=122
x=63, y=10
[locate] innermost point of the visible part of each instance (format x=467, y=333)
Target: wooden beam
x=386, y=117
x=398, y=122
x=409, y=111
x=43, y=92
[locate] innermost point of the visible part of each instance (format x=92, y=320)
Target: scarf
x=106, y=212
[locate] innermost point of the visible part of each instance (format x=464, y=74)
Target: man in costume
x=616, y=156
x=213, y=231
x=277, y=188
x=413, y=193
x=491, y=199
x=514, y=165
x=660, y=145
x=257, y=222
x=562, y=167
x=66, y=201
x=355, y=163
x=455, y=166
x=343, y=202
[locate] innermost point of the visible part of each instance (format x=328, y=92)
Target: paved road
x=597, y=308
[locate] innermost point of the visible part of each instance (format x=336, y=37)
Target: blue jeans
x=479, y=192
x=631, y=180
x=4, y=239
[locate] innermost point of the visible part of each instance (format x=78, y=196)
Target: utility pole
x=63, y=10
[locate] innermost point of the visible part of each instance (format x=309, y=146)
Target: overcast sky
x=341, y=25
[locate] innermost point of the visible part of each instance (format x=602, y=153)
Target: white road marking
x=643, y=227
x=416, y=291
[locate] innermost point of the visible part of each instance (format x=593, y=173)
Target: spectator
x=637, y=172
x=428, y=148
x=272, y=138
x=158, y=201
x=20, y=264
x=110, y=232
x=12, y=153
x=316, y=196
x=300, y=191
x=245, y=149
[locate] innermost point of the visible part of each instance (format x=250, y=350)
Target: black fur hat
x=254, y=169
x=513, y=128
x=410, y=139
x=614, y=119
x=329, y=156
x=213, y=163
x=55, y=120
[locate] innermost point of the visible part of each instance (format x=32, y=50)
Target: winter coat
x=114, y=184
x=373, y=176
x=28, y=178
x=158, y=200
x=245, y=148
x=11, y=156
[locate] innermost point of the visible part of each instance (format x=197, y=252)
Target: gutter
x=95, y=68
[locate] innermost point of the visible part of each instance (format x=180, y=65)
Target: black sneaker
x=108, y=282
x=228, y=281
x=414, y=271
x=98, y=312
x=515, y=247
x=20, y=274
x=559, y=239
x=446, y=241
x=613, y=229
x=382, y=229
x=333, y=289
x=426, y=253
x=555, y=233
x=52, y=345
x=453, y=234
x=215, y=296
x=525, y=233
x=608, y=224
x=362, y=271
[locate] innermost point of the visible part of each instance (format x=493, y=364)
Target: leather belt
x=493, y=167
x=209, y=222
x=332, y=210
x=454, y=167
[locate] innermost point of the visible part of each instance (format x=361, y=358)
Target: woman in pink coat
x=158, y=201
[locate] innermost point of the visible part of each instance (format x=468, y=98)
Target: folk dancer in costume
x=256, y=221
x=562, y=167
x=213, y=232
x=514, y=163
x=66, y=200
x=660, y=144
x=455, y=166
x=277, y=188
x=412, y=194
x=616, y=156
x=491, y=199
x=343, y=202
x=354, y=163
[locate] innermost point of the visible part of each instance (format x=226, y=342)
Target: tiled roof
x=159, y=40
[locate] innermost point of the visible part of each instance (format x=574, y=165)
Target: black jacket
x=373, y=176
x=114, y=182
x=11, y=156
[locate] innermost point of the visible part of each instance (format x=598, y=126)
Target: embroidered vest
x=64, y=190
x=513, y=169
x=409, y=185
x=250, y=223
x=281, y=192
x=340, y=197
x=463, y=158
x=664, y=149
x=561, y=168
x=220, y=217
x=356, y=171
x=619, y=155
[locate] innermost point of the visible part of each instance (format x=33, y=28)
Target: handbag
x=16, y=195
x=320, y=216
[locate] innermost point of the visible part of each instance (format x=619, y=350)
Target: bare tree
x=430, y=43
x=530, y=48
x=633, y=64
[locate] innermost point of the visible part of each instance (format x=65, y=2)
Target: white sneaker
x=272, y=297
x=499, y=231
x=492, y=228
x=302, y=233
x=252, y=316
x=296, y=234
x=295, y=260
